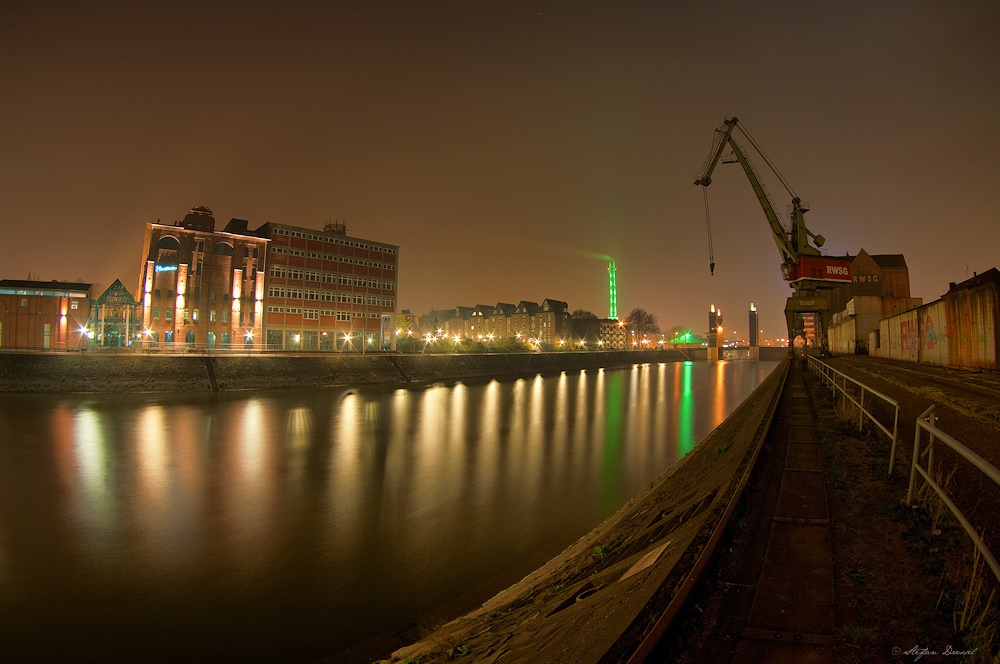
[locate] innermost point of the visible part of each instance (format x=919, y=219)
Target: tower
x=754, y=330
x=612, y=290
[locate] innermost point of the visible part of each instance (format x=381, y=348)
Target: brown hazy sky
x=505, y=145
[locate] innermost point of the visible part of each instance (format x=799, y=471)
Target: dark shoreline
x=111, y=372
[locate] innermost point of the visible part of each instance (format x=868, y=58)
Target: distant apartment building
x=43, y=314
x=614, y=334
x=552, y=321
x=325, y=290
x=523, y=320
x=201, y=287
x=546, y=323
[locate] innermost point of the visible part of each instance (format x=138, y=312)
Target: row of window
x=311, y=314
x=278, y=272
x=189, y=314
x=334, y=258
x=330, y=296
x=333, y=240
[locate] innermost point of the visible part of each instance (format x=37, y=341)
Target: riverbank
x=107, y=372
x=595, y=600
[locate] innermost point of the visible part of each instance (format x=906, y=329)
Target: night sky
x=506, y=146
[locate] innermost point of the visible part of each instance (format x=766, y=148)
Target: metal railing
x=855, y=392
x=927, y=422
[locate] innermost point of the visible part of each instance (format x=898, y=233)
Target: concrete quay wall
x=132, y=372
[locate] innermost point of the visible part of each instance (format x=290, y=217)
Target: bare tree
x=642, y=323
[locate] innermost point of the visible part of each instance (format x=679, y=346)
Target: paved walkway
x=792, y=616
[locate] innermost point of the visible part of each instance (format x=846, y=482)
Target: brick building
x=43, y=314
x=201, y=287
x=325, y=290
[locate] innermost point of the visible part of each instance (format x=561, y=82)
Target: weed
x=861, y=635
x=560, y=587
x=529, y=593
x=601, y=551
x=722, y=449
x=459, y=651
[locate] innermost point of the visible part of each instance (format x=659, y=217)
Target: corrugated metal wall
x=958, y=330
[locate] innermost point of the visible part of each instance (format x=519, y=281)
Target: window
x=255, y=250
x=168, y=314
x=170, y=293
x=156, y=293
x=74, y=305
x=201, y=245
x=197, y=292
x=194, y=315
x=187, y=315
x=156, y=313
x=225, y=315
x=211, y=315
x=343, y=316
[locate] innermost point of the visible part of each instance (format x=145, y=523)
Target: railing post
x=895, y=442
x=932, y=421
x=861, y=415
x=913, y=464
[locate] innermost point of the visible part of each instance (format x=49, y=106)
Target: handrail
x=831, y=376
x=926, y=421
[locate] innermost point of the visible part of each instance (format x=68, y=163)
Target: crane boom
x=801, y=262
x=802, y=265
x=724, y=138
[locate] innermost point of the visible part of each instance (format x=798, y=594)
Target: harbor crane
x=803, y=266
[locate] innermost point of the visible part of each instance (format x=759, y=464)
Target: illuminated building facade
x=200, y=287
x=614, y=334
x=325, y=290
x=115, y=319
x=552, y=322
x=43, y=314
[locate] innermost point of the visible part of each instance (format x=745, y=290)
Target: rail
x=927, y=422
x=854, y=392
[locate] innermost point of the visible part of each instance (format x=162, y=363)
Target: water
x=291, y=525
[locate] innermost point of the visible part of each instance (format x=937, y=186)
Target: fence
x=855, y=392
x=927, y=422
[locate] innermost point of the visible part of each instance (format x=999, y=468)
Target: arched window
x=168, y=242
x=224, y=249
x=225, y=340
x=211, y=340
x=189, y=338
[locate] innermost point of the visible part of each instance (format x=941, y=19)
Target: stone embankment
x=600, y=598
x=134, y=372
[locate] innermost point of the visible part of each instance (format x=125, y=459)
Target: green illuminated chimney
x=613, y=290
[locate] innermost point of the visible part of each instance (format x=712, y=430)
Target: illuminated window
x=74, y=305
x=187, y=315
x=194, y=315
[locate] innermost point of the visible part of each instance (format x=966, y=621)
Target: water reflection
x=291, y=525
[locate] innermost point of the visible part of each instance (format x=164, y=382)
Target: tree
x=642, y=323
x=403, y=324
x=583, y=314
